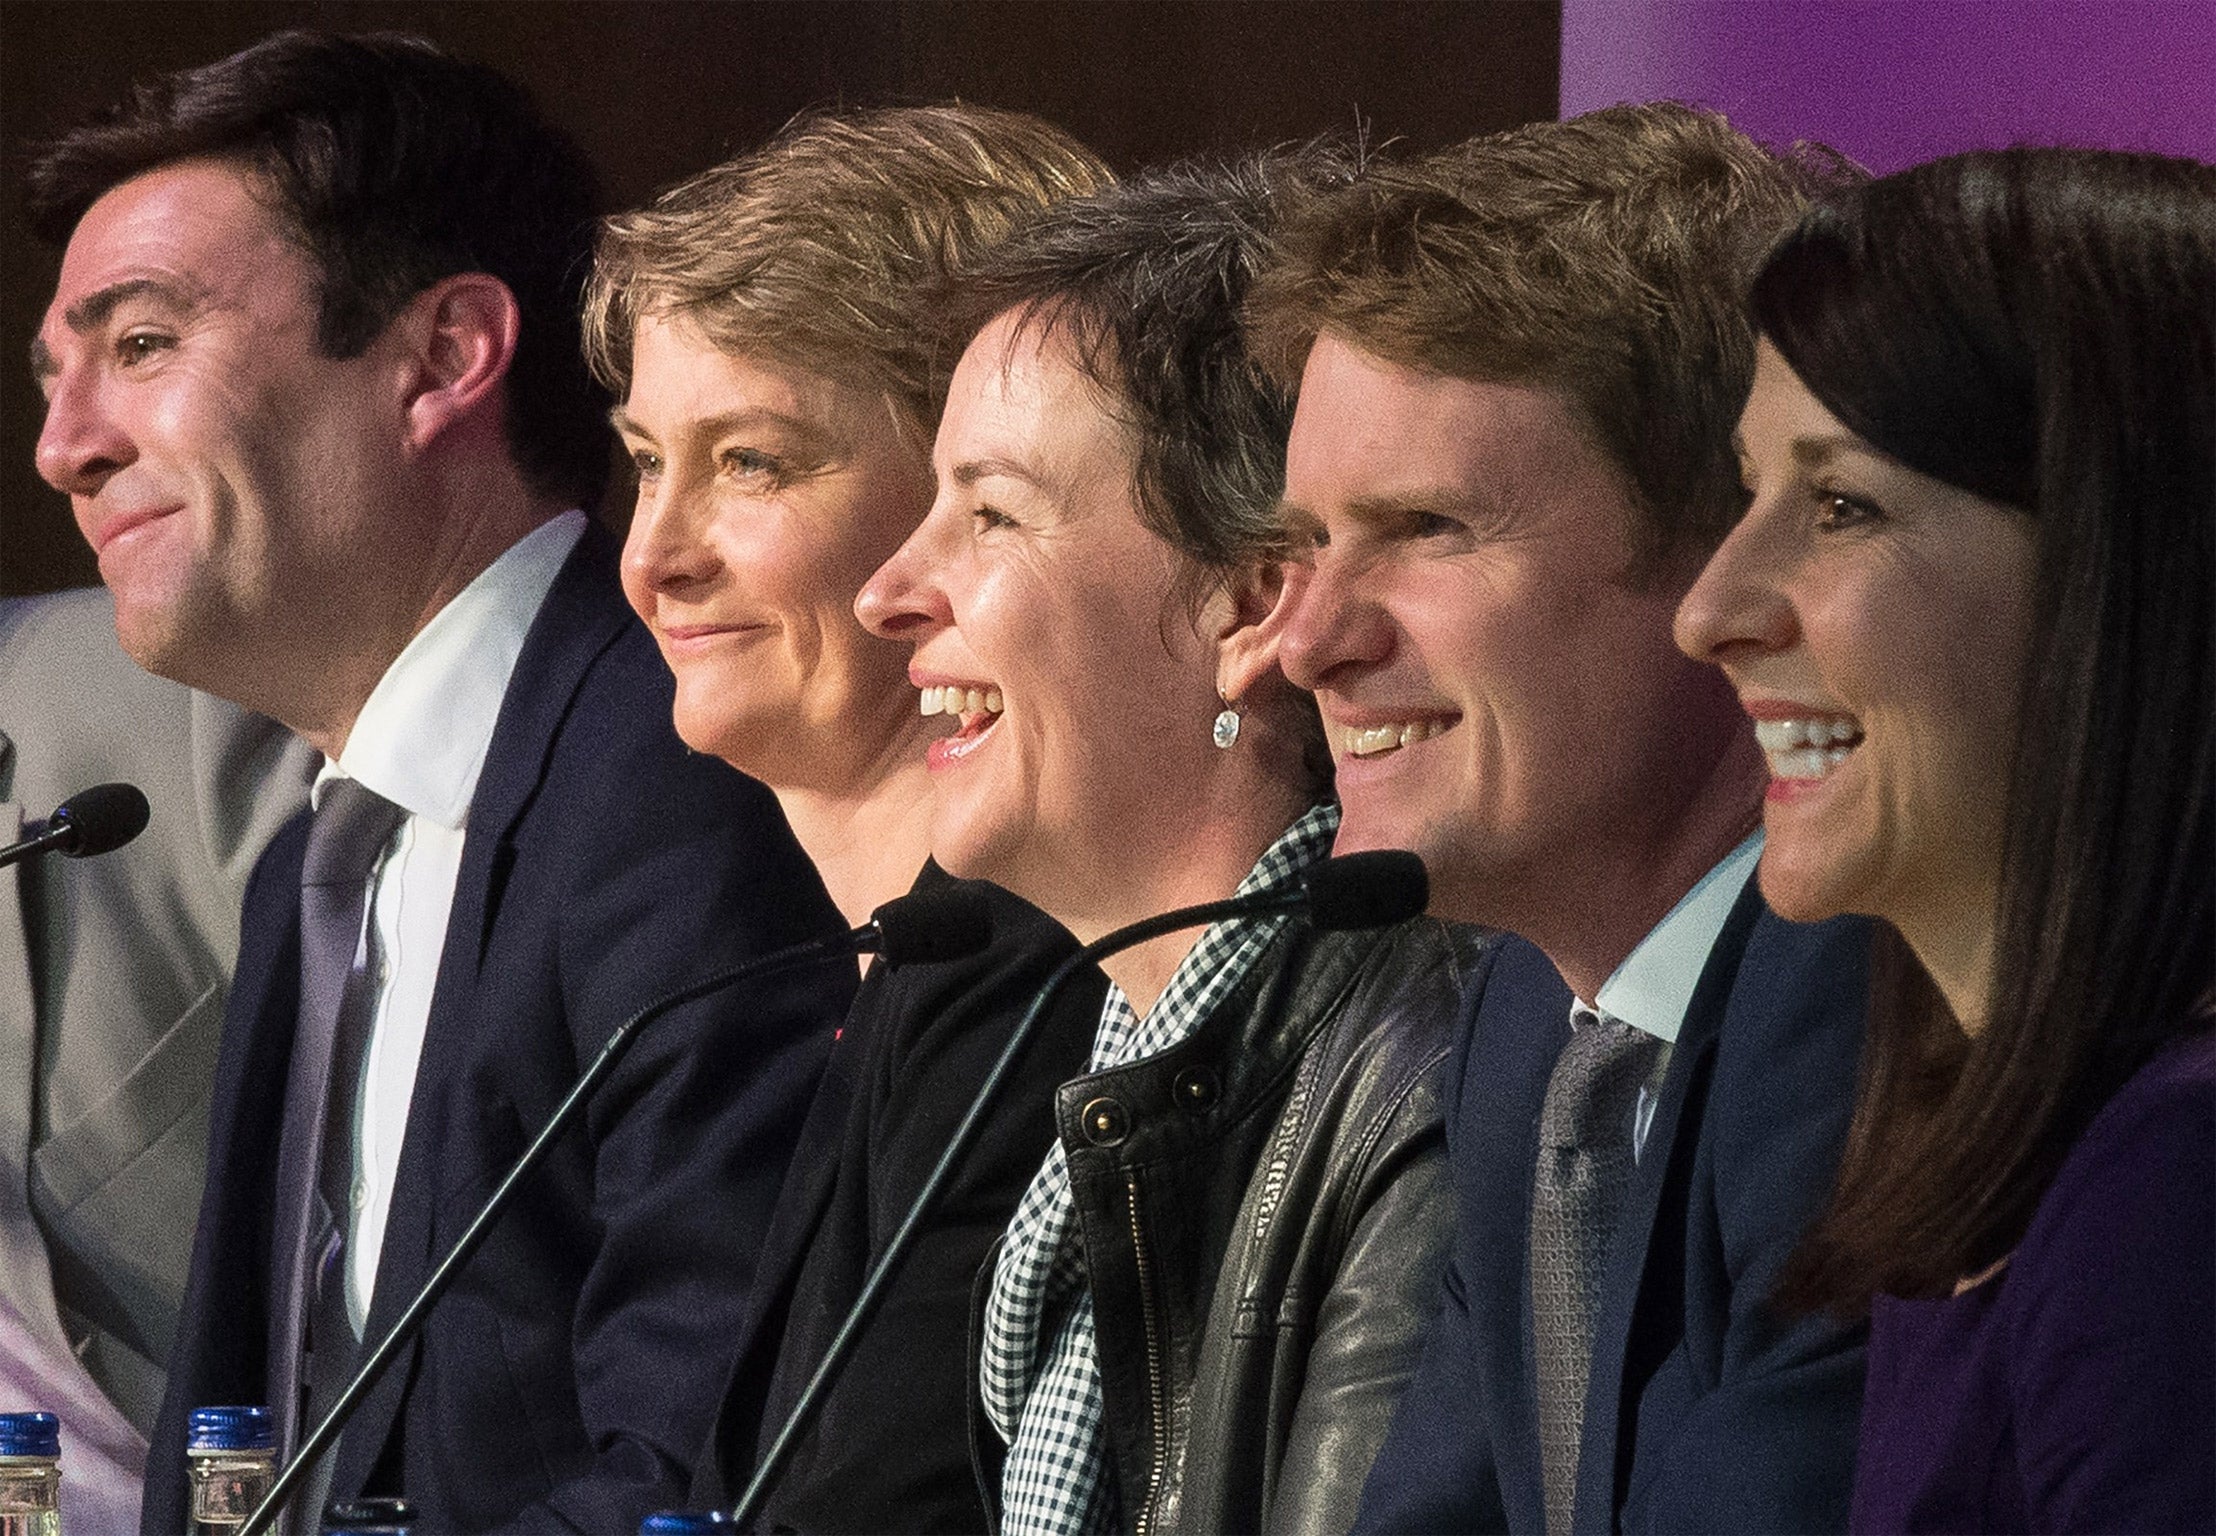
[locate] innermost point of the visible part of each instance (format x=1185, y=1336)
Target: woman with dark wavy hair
x=1212, y=1292
x=1970, y=611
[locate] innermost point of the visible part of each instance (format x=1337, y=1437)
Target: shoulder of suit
x=57, y=643
x=75, y=709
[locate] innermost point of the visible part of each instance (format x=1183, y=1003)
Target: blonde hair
x=828, y=246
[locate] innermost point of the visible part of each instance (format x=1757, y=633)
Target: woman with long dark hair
x=1970, y=611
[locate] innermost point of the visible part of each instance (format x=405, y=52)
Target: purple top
x=2075, y=1390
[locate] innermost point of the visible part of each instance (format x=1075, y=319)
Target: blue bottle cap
x=30, y=1434
x=230, y=1429
x=678, y=1522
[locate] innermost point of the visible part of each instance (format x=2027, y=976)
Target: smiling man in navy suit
x=313, y=387
x=1520, y=362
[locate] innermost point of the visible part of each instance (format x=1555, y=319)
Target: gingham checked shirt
x=1047, y=1404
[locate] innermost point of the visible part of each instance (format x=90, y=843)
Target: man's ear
x=461, y=335
x=1246, y=618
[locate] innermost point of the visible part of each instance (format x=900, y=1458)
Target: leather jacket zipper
x=1157, y=1393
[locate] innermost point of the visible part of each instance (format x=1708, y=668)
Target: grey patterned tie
x=312, y=1342
x=1577, y=1188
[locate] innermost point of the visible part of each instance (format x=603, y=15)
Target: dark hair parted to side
x=1604, y=258
x=1146, y=280
x=395, y=165
x=2037, y=327
x=829, y=245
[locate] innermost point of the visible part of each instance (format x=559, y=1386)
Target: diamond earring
x=1226, y=731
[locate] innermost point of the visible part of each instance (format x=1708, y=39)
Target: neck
x=466, y=528
x=1954, y=940
x=867, y=843
x=1588, y=925
x=1213, y=870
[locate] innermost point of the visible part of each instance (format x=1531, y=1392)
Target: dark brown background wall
x=654, y=90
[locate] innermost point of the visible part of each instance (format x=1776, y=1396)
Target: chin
x=1791, y=891
x=968, y=851
x=714, y=733
x=1364, y=830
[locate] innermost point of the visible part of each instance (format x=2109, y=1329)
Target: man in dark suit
x=1520, y=362
x=314, y=390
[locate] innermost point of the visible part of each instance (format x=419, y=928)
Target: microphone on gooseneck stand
x=1360, y=890
x=932, y=925
x=92, y=821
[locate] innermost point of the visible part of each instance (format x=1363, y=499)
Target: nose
x=905, y=599
x=667, y=550
x=1334, y=623
x=81, y=443
x=1739, y=605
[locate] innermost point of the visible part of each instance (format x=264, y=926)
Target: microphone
x=928, y=926
x=96, y=820
x=1358, y=890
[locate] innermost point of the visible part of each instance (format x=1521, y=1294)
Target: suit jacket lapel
x=1644, y=1277
x=582, y=614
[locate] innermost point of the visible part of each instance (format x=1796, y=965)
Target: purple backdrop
x=1892, y=82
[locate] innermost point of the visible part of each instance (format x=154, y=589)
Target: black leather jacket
x=1265, y=1218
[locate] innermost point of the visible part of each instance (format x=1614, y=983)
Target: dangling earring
x=1227, y=724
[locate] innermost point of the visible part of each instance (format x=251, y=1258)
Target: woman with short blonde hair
x=769, y=326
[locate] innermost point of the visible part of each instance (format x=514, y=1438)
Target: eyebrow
x=92, y=311
x=1807, y=448
x=730, y=421
x=970, y=471
x=1476, y=508
x=1813, y=451
x=1295, y=519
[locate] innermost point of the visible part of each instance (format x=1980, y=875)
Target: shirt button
x=1105, y=1122
x=1197, y=1089
x=359, y=1194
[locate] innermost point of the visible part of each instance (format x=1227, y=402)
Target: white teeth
x=1788, y=735
x=1807, y=762
x=1801, y=763
x=1375, y=740
x=950, y=700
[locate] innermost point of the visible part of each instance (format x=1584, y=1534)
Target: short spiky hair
x=393, y=164
x=1605, y=258
x=827, y=246
x=1147, y=279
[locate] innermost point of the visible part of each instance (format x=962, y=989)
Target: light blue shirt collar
x=1653, y=987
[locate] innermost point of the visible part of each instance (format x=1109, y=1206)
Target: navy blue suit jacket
x=568, y=1379
x=1706, y=1411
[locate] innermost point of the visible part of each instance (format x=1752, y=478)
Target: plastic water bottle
x=30, y=1474
x=678, y=1522
x=230, y=1460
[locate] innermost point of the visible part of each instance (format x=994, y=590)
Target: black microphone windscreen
x=1367, y=890
x=103, y=818
x=945, y=924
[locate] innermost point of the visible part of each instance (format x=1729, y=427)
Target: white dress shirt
x=1653, y=987
x=421, y=742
